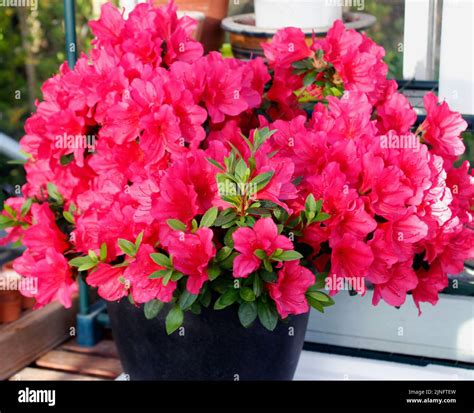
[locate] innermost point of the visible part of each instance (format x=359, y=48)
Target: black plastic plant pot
x=210, y=346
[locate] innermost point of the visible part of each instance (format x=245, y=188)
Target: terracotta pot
x=212, y=35
x=27, y=302
x=10, y=306
x=246, y=38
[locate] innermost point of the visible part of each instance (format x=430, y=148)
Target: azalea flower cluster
x=207, y=184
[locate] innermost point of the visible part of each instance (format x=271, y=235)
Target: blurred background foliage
x=32, y=49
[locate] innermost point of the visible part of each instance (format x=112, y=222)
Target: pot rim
x=352, y=20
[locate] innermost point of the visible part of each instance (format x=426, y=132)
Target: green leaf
x=93, y=256
x=260, y=136
x=167, y=277
x=318, y=295
x=161, y=259
x=176, y=276
x=267, y=265
x=223, y=253
x=309, y=78
x=53, y=193
x=303, y=64
x=268, y=276
x=176, y=224
x=127, y=247
x=160, y=274
x=241, y=171
x=6, y=222
x=267, y=315
x=225, y=217
x=152, y=308
x=213, y=272
x=209, y=218
x=78, y=261
x=216, y=164
x=228, y=263
x=257, y=285
x=315, y=304
x=174, y=319
x=260, y=254
x=260, y=181
x=247, y=141
x=25, y=208
x=289, y=256
x=17, y=161
x=139, y=240
x=310, y=204
x=228, y=239
x=247, y=313
x=322, y=216
x=87, y=266
x=195, y=308
x=9, y=210
x=247, y=294
x=228, y=298
x=66, y=159
x=103, y=252
x=205, y=299
x=258, y=211
x=68, y=217
x=187, y=299
x=130, y=299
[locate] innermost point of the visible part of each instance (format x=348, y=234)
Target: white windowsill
x=322, y=366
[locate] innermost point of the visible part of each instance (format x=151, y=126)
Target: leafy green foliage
x=174, y=319
x=267, y=314
x=152, y=308
x=247, y=313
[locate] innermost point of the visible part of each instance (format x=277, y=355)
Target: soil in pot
x=210, y=346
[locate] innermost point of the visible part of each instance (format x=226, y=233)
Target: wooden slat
x=80, y=363
x=34, y=334
x=104, y=348
x=35, y=374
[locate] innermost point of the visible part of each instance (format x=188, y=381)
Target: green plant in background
x=388, y=31
x=32, y=46
x=31, y=50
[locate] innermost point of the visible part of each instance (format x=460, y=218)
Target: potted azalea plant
x=212, y=212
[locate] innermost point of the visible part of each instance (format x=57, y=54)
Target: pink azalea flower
x=44, y=233
x=442, y=128
x=289, y=290
x=396, y=114
x=191, y=254
x=263, y=236
x=430, y=282
x=107, y=278
x=351, y=258
x=54, y=276
x=224, y=92
x=144, y=289
x=461, y=185
x=401, y=279
x=288, y=46
x=188, y=188
x=109, y=26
